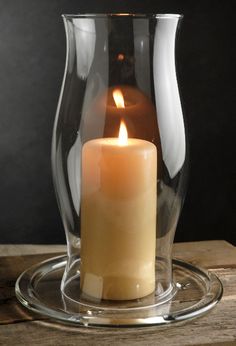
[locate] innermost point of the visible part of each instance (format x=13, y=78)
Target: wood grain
x=28, y=249
x=18, y=326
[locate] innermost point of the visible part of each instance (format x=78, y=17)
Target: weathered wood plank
x=215, y=328
x=28, y=249
x=189, y=247
x=207, y=254
x=11, y=311
x=10, y=268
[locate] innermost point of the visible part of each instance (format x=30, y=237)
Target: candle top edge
x=112, y=142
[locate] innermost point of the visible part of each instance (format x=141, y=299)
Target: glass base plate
x=195, y=291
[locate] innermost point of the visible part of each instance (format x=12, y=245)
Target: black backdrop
x=32, y=55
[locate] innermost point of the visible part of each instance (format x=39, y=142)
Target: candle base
x=116, y=288
x=193, y=292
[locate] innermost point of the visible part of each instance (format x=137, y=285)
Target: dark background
x=32, y=57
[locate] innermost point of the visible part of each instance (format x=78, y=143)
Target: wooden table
x=18, y=326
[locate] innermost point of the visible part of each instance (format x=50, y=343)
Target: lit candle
x=118, y=217
x=137, y=110
x=102, y=117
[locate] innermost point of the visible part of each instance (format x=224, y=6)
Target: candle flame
x=120, y=103
x=120, y=57
x=123, y=134
x=118, y=98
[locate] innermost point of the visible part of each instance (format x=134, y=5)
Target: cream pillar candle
x=118, y=218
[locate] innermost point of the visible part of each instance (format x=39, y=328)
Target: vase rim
x=117, y=15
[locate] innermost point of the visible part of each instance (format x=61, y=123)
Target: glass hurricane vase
x=119, y=162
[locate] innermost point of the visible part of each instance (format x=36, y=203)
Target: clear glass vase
x=119, y=158
x=119, y=167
